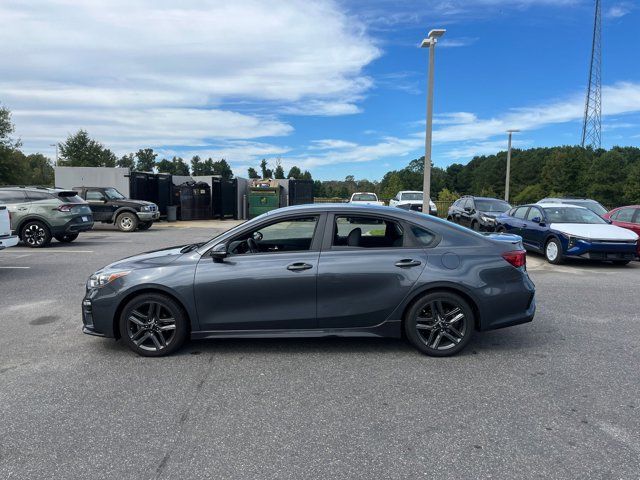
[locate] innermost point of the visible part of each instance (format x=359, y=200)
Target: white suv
x=411, y=200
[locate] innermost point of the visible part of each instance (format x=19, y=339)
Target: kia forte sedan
x=317, y=271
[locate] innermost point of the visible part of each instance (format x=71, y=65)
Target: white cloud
x=457, y=42
x=619, y=10
x=136, y=70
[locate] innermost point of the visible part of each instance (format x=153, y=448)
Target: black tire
x=500, y=229
x=127, y=222
x=66, y=237
x=147, y=332
x=145, y=225
x=549, y=251
x=35, y=234
x=621, y=263
x=434, y=335
x=449, y=218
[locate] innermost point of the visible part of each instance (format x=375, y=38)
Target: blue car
x=560, y=230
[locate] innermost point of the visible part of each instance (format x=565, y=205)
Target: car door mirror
x=608, y=220
x=536, y=220
x=219, y=252
x=467, y=209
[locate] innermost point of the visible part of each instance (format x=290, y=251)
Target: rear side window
x=367, y=232
x=424, y=237
x=10, y=197
x=35, y=196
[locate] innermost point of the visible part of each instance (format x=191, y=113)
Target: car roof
x=486, y=198
x=349, y=207
x=555, y=204
x=410, y=191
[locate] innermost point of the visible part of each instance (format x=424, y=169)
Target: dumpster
x=193, y=200
x=264, y=196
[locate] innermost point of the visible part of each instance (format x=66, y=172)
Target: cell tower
x=592, y=124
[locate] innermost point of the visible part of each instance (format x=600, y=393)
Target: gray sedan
x=315, y=271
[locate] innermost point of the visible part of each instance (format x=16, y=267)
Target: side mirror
x=608, y=220
x=536, y=220
x=219, y=252
x=467, y=209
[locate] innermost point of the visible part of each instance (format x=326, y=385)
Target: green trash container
x=262, y=200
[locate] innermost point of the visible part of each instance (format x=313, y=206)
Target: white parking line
x=49, y=251
x=15, y=268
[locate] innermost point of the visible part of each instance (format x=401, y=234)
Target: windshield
x=113, y=194
x=592, y=205
x=412, y=196
x=497, y=206
x=572, y=215
x=364, y=197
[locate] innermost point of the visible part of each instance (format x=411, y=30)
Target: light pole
x=429, y=42
x=55, y=145
x=506, y=182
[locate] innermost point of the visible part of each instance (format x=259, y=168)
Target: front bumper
x=8, y=241
x=148, y=216
x=595, y=250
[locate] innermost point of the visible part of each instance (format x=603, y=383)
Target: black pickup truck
x=108, y=205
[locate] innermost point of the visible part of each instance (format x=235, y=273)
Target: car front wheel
x=144, y=225
x=66, y=237
x=153, y=325
x=127, y=222
x=35, y=234
x=440, y=324
x=553, y=251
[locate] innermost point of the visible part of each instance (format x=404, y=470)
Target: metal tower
x=592, y=124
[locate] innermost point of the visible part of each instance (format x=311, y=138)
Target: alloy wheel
x=441, y=325
x=35, y=235
x=151, y=326
x=126, y=223
x=552, y=251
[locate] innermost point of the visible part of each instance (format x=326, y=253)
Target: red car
x=626, y=217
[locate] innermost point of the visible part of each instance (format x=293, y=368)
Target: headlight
x=487, y=219
x=146, y=208
x=98, y=280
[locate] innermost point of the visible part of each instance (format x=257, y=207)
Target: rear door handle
x=408, y=262
x=296, y=267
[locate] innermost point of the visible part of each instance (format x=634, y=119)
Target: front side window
x=533, y=213
x=625, y=215
x=114, y=194
x=366, y=232
x=520, y=212
x=293, y=235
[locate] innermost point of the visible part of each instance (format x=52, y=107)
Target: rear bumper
x=513, y=301
x=8, y=241
x=75, y=225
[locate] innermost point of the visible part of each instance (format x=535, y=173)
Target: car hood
x=595, y=231
x=131, y=203
x=156, y=258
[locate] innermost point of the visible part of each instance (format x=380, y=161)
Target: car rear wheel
x=153, y=325
x=553, y=251
x=440, y=324
x=66, y=237
x=127, y=222
x=144, y=225
x=35, y=234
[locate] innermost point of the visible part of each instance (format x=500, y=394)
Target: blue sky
x=334, y=87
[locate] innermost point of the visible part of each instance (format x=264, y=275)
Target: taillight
x=517, y=258
x=65, y=207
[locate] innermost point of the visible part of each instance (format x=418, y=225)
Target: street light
x=506, y=184
x=430, y=43
x=55, y=145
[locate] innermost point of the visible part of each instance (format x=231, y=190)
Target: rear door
x=368, y=265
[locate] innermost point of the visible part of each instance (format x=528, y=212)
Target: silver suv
x=39, y=214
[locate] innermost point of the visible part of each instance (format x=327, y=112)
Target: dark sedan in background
x=317, y=270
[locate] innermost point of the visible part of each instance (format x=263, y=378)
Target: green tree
x=223, y=169
x=175, y=166
x=307, y=175
x=251, y=173
x=198, y=167
x=266, y=172
x=295, y=173
x=79, y=150
x=146, y=160
x=127, y=161
x=447, y=195
x=6, y=129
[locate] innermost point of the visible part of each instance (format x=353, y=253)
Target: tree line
x=610, y=176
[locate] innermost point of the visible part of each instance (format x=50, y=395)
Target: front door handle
x=408, y=262
x=296, y=267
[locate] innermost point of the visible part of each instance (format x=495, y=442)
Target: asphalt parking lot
x=556, y=398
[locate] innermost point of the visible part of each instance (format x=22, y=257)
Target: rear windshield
x=69, y=196
x=497, y=206
x=364, y=197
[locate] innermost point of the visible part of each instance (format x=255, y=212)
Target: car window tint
x=533, y=213
x=94, y=195
x=625, y=214
x=291, y=235
x=10, y=197
x=35, y=196
x=424, y=237
x=366, y=232
x=520, y=212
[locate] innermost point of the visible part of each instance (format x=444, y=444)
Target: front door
x=267, y=282
x=100, y=209
x=533, y=234
x=368, y=268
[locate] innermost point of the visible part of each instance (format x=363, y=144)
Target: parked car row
x=559, y=228
x=405, y=199
x=38, y=214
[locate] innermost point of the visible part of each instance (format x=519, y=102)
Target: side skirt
x=390, y=328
